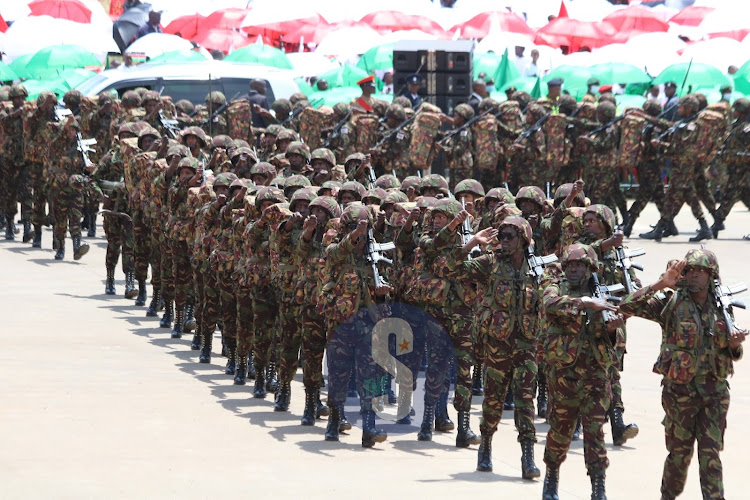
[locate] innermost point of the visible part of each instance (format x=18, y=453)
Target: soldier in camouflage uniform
x=579, y=354
x=696, y=357
x=14, y=171
x=298, y=156
x=458, y=150
x=213, y=125
x=529, y=164
x=393, y=156
x=37, y=138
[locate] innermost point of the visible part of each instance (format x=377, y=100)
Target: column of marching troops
x=280, y=236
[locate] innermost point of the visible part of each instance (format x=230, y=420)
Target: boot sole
x=131, y=295
x=81, y=252
x=532, y=475
x=628, y=433
x=481, y=468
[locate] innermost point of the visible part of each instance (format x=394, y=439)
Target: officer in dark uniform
x=412, y=90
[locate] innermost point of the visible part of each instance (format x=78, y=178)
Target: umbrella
x=619, y=73
x=741, y=79
x=397, y=36
x=36, y=87
x=576, y=34
x=72, y=78
x=499, y=41
x=629, y=101
x=52, y=60
x=730, y=17
x=6, y=73
x=524, y=84
x=310, y=63
x=3, y=25
x=349, y=41
x=225, y=40
x=155, y=44
x=282, y=24
x=309, y=33
x=18, y=65
x=262, y=54
x=389, y=20
x=128, y=24
x=72, y=10
x=691, y=16
x=636, y=18
x=224, y=19
x=738, y=35
x=479, y=25
x=697, y=75
x=486, y=63
x=185, y=26
x=574, y=79
x=380, y=57
x=178, y=56
x=345, y=76
x=718, y=52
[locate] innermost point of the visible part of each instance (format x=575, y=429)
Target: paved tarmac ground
x=98, y=402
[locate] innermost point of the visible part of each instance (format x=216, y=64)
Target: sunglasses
x=506, y=236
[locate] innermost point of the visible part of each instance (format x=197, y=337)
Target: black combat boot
x=79, y=249
x=476, y=381
x=153, y=307
x=621, y=432
x=484, y=455
x=284, y=397
x=60, y=255
x=425, y=432
x=190, y=323
x=541, y=397
x=465, y=435
x=627, y=227
x=109, y=284
x=371, y=435
x=130, y=291
x=717, y=226
x=321, y=409
x=28, y=234
x=509, y=403
x=250, y=367
x=195, y=345
x=260, y=382
x=92, y=224
x=9, y=234
x=332, y=429
x=272, y=380
x=177, y=329
x=166, y=319
x=308, y=415
x=551, y=480
x=671, y=229
x=344, y=424
x=240, y=372
x=140, y=299
x=231, y=356
x=657, y=232
x=704, y=233
x=207, y=341
x=577, y=430
x=597, y=484
x=529, y=470
x=443, y=422
x=37, y=243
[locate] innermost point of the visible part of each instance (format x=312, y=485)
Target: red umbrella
x=314, y=33
x=691, y=16
x=73, y=10
x=389, y=20
x=479, y=25
x=576, y=34
x=3, y=25
x=636, y=18
x=224, y=40
x=738, y=35
x=186, y=26
x=224, y=19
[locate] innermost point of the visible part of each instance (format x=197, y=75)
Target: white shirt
x=531, y=69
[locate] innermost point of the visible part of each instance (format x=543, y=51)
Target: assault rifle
x=605, y=126
x=600, y=291
x=534, y=128
x=374, y=254
x=219, y=110
x=723, y=296
x=395, y=131
x=169, y=125
x=537, y=264
x=111, y=188
x=82, y=145
x=466, y=125
x=336, y=130
x=466, y=234
x=623, y=262
x=677, y=126
x=370, y=177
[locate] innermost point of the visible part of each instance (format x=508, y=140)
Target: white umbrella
x=155, y=44
x=727, y=18
x=498, y=41
x=395, y=36
x=349, y=41
x=268, y=12
x=719, y=52
x=310, y=63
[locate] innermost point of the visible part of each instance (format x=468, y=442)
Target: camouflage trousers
x=694, y=412
x=66, y=209
x=568, y=173
x=457, y=174
x=156, y=258
x=650, y=187
x=228, y=304
x=703, y=190
x=39, y=194
x=142, y=231
x=681, y=190
x=350, y=345
x=119, y=234
x=198, y=290
x=513, y=357
x=181, y=273
x=534, y=174
x=15, y=185
x=265, y=325
x=605, y=189
x=245, y=330
x=493, y=178
x=290, y=336
x=167, y=276
x=313, y=347
x=571, y=397
x=211, y=306
x=739, y=174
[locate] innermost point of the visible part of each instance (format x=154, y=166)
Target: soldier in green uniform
x=458, y=150
x=13, y=167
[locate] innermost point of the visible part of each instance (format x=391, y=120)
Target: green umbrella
x=262, y=54
x=698, y=75
x=18, y=65
x=629, y=101
x=574, y=79
x=50, y=61
x=379, y=57
x=36, y=87
x=6, y=73
x=525, y=84
x=486, y=63
x=609, y=73
x=178, y=56
x=345, y=76
x=304, y=87
x=506, y=71
x=334, y=96
x=741, y=78
x=72, y=78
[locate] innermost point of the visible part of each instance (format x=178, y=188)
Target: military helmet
x=131, y=99
x=469, y=186
x=702, y=101
x=531, y=193
x=263, y=168
x=287, y=135
x=177, y=150
x=375, y=194
x=741, y=105
x=224, y=180
x=522, y=227
x=387, y=181
x=274, y=129
x=488, y=103
x=151, y=95
x=299, y=148
x=402, y=101
x=503, y=211
x=184, y=106
x=567, y=104
x=353, y=187
x=296, y=181
x=690, y=102
x=197, y=132
x=607, y=97
x=341, y=109
x=332, y=185
x=652, y=107
x=188, y=162
x=297, y=97
x=236, y=152
x=396, y=112
x=411, y=181
x=149, y=130
x=426, y=202
x=353, y=213
x=536, y=110
x=329, y=204
x=45, y=96
x=324, y=154
x=354, y=157
x=703, y=258
x=380, y=107
x=434, y=181
x=522, y=97
x=222, y=141
x=18, y=90
x=607, y=110
x=216, y=98
x=4, y=93
x=281, y=106
x=128, y=127
x=141, y=91
x=449, y=206
x=268, y=193
x=605, y=214
x=464, y=111
x=500, y=194
x=303, y=194
x=562, y=192
x=394, y=197
x=578, y=252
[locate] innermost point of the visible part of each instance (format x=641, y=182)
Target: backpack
x=422, y=147
x=312, y=122
x=486, y=145
x=239, y=120
x=554, y=133
x=631, y=141
x=367, y=132
x=713, y=128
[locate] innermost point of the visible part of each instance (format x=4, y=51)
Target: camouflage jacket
x=12, y=137
x=179, y=216
x=36, y=135
x=258, y=268
x=206, y=234
x=435, y=287
x=99, y=126
x=458, y=151
x=311, y=258
x=222, y=256
x=694, y=341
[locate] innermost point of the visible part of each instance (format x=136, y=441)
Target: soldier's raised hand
x=383, y=290
x=484, y=236
x=221, y=200
x=597, y=304
x=459, y=219
x=240, y=194
x=673, y=275
x=310, y=224
x=361, y=229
